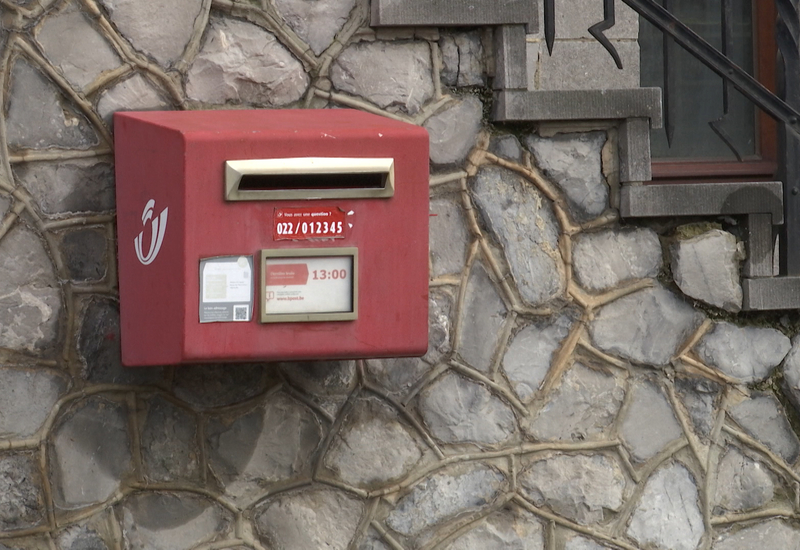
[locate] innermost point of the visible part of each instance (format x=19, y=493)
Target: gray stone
x=316, y=518
x=699, y=397
x=668, y=514
x=482, y=318
x=582, y=543
x=507, y=147
x=458, y=410
x=440, y=307
x=99, y=348
x=706, y=267
x=791, y=373
x=574, y=163
x=134, y=94
x=506, y=530
x=372, y=541
x=453, y=131
x=274, y=442
x=582, y=488
x=76, y=185
x=86, y=55
x=373, y=446
x=210, y=386
x=647, y=326
x=763, y=418
x=522, y=220
x=391, y=75
x=159, y=28
x=444, y=495
x=742, y=483
x=26, y=399
x=462, y=59
x=315, y=21
x=528, y=357
x=774, y=533
x=322, y=377
x=39, y=116
x=746, y=353
x=91, y=443
x=155, y=521
x=85, y=253
x=170, y=450
x=605, y=259
x=21, y=496
x=649, y=422
x=585, y=404
x=449, y=237
x=30, y=299
x=80, y=537
x=397, y=376
x=242, y=63
x=582, y=65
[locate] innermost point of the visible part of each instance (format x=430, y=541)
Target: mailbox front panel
x=178, y=160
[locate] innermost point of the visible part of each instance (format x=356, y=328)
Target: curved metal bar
x=598, y=29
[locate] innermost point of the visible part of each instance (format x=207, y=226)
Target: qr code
x=241, y=313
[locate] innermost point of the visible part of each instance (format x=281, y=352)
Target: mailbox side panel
x=149, y=166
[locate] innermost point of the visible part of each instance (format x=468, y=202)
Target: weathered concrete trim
x=634, y=151
x=770, y=293
x=454, y=13
x=510, y=58
x=703, y=199
x=760, y=242
x=547, y=105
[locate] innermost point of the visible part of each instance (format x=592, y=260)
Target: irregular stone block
x=453, y=130
x=649, y=423
x=668, y=514
x=397, y=375
x=373, y=446
x=315, y=21
x=39, y=116
x=528, y=357
x=449, y=237
x=26, y=399
x=76, y=185
x=315, y=518
x=762, y=417
x=462, y=59
x=86, y=254
x=134, y=94
x=211, y=386
x=581, y=408
x=322, y=377
x=791, y=373
x=774, y=533
x=460, y=411
x=647, y=326
x=579, y=487
x=574, y=163
x=159, y=28
x=506, y=530
x=444, y=495
x=30, y=298
x=440, y=307
x=582, y=543
x=80, y=537
x=157, y=521
x=482, y=318
x=522, y=221
x=90, y=443
x=706, y=267
x=242, y=63
x=21, y=495
x=73, y=45
x=271, y=443
x=507, y=147
x=393, y=76
x=699, y=397
x=746, y=353
x=605, y=259
x=169, y=443
x=742, y=483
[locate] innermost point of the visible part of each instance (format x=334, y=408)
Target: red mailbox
x=271, y=235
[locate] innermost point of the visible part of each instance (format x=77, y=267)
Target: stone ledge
x=553, y=105
x=454, y=13
x=771, y=293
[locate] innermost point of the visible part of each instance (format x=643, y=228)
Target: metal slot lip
x=309, y=178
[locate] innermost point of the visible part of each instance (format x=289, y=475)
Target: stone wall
x=589, y=383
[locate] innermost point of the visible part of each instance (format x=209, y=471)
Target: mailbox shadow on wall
x=271, y=235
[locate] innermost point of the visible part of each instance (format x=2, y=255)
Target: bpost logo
x=158, y=228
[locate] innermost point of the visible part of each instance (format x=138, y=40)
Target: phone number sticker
x=310, y=223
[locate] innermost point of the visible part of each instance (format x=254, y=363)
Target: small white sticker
x=226, y=289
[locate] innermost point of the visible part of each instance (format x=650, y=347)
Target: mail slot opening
x=309, y=178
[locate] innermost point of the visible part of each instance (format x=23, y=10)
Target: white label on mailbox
x=226, y=289
x=321, y=284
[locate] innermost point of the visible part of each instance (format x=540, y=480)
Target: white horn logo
x=159, y=227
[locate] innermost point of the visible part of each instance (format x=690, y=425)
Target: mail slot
x=270, y=235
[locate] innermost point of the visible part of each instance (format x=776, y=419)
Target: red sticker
x=287, y=274
x=309, y=223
